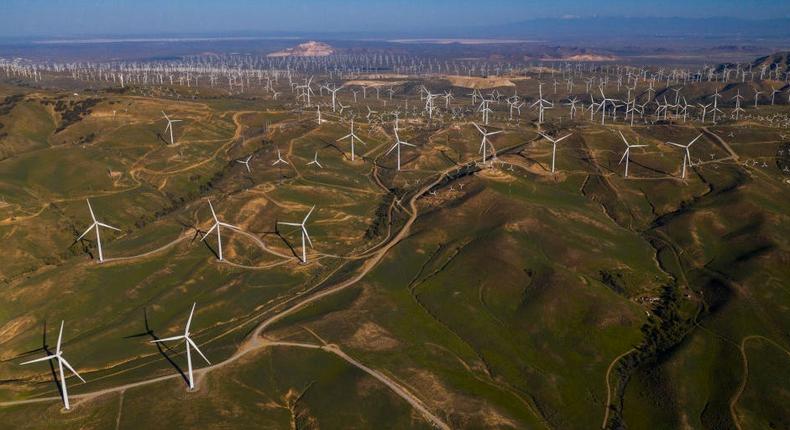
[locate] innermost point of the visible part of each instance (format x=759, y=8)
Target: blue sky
x=85, y=17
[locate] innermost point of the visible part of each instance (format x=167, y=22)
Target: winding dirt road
x=255, y=341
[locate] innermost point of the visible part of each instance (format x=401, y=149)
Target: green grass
x=502, y=307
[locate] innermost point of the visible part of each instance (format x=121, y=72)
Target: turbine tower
x=279, y=159
x=187, y=342
x=169, y=127
x=246, y=163
x=554, y=143
x=397, y=146
x=686, y=154
x=627, y=153
x=315, y=161
x=58, y=355
x=95, y=225
x=218, y=226
x=485, y=141
x=305, y=236
x=352, y=137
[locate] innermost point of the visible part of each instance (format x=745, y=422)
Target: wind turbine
x=542, y=104
x=279, y=159
x=704, y=110
x=352, y=136
x=774, y=92
x=627, y=153
x=686, y=155
x=305, y=236
x=554, y=142
x=603, y=106
x=246, y=163
x=58, y=355
x=334, y=96
x=486, y=135
x=95, y=225
x=170, y=126
x=217, y=225
x=370, y=113
x=187, y=342
x=315, y=161
x=397, y=146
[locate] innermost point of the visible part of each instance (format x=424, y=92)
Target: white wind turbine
x=58, y=355
x=554, y=143
x=542, y=104
x=315, y=161
x=279, y=159
x=485, y=141
x=334, y=96
x=246, y=163
x=95, y=225
x=305, y=236
x=218, y=226
x=627, y=153
x=352, y=137
x=397, y=146
x=169, y=127
x=686, y=154
x=187, y=342
x=370, y=113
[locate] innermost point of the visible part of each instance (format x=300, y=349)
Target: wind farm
x=403, y=229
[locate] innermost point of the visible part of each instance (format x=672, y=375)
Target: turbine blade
x=167, y=339
x=308, y=215
x=194, y=345
x=66, y=363
x=563, y=138
x=108, y=226
x=86, y=232
x=189, y=321
x=93, y=217
x=60, y=338
x=393, y=148
x=621, y=135
x=214, y=214
x=695, y=139
x=209, y=232
x=625, y=154
x=49, y=357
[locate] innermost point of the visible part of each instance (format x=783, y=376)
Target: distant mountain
x=780, y=58
x=607, y=28
x=307, y=49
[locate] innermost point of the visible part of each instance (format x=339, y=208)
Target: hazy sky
x=86, y=17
